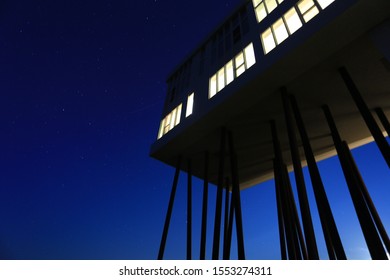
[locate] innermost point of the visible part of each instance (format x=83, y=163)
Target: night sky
x=82, y=86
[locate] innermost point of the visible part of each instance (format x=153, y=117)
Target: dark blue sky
x=82, y=85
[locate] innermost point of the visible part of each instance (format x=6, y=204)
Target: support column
x=237, y=199
x=218, y=209
x=366, y=114
x=189, y=212
x=332, y=239
x=355, y=186
x=204, y=208
x=385, y=122
x=226, y=223
x=299, y=178
x=169, y=211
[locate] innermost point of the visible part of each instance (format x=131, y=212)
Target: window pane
x=173, y=119
x=249, y=56
x=280, y=31
x=229, y=72
x=213, y=86
x=167, y=123
x=161, y=130
x=261, y=13
x=305, y=5
x=221, y=79
x=268, y=41
x=240, y=70
x=190, y=104
x=271, y=5
x=178, y=114
x=256, y=2
x=325, y=3
x=239, y=60
x=310, y=14
x=293, y=21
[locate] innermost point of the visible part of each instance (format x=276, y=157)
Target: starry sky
x=82, y=85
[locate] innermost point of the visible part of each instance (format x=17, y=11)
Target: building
x=281, y=84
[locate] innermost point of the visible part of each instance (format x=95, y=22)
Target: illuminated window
x=267, y=38
x=170, y=121
x=213, y=86
x=280, y=31
x=231, y=70
x=190, y=104
x=325, y=3
x=292, y=20
x=308, y=9
x=264, y=7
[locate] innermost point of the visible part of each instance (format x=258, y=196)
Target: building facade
x=281, y=84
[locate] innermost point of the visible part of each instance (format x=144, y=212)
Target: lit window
x=229, y=72
x=280, y=31
x=271, y=5
x=240, y=64
x=249, y=55
x=308, y=9
x=264, y=7
x=292, y=20
x=170, y=121
x=221, y=79
x=190, y=104
x=268, y=41
x=261, y=12
x=325, y=3
x=213, y=86
x=178, y=114
x=161, y=130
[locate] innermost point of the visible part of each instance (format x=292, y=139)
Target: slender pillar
x=189, y=212
x=218, y=209
x=226, y=223
x=327, y=220
x=279, y=203
x=385, y=122
x=366, y=114
x=355, y=186
x=299, y=178
x=169, y=211
x=230, y=230
x=204, y=208
x=237, y=199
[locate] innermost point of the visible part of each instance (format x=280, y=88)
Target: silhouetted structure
x=278, y=85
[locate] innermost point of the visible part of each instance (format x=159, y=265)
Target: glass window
x=229, y=72
x=256, y=2
x=280, y=31
x=271, y=5
x=178, y=114
x=172, y=119
x=268, y=41
x=292, y=20
x=190, y=104
x=221, y=79
x=213, y=86
x=325, y=3
x=240, y=64
x=249, y=55
x=261, y=12
x=161, y=130
x=308, y=9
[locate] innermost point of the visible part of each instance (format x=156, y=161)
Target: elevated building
x=281, y=84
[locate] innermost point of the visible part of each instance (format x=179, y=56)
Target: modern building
x=282, y=84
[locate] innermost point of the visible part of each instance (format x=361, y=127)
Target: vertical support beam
x=189, y=212
x=355, y=186
x=218, y=209
x=279, y=204
x=237, y=199
x=202, y=254
x=299, y=178
x=366, y=114
x=385, y=122
x=169, y=211
x=226, y=223
x=327, y=220
x=230, y=230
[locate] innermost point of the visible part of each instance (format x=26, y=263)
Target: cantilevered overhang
x=309, y=71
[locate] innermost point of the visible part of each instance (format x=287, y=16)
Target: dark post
x=385, y=122
x=299, y=178
x=237, y=199
x=366, y=114
x=169, y=211
x=226, y=223
x=204, y=208
x=326, y=216
x=218, y=209
x=189, y=212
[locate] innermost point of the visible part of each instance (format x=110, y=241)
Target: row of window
x=231, y=70
x=291, y=21
x=264, y=7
